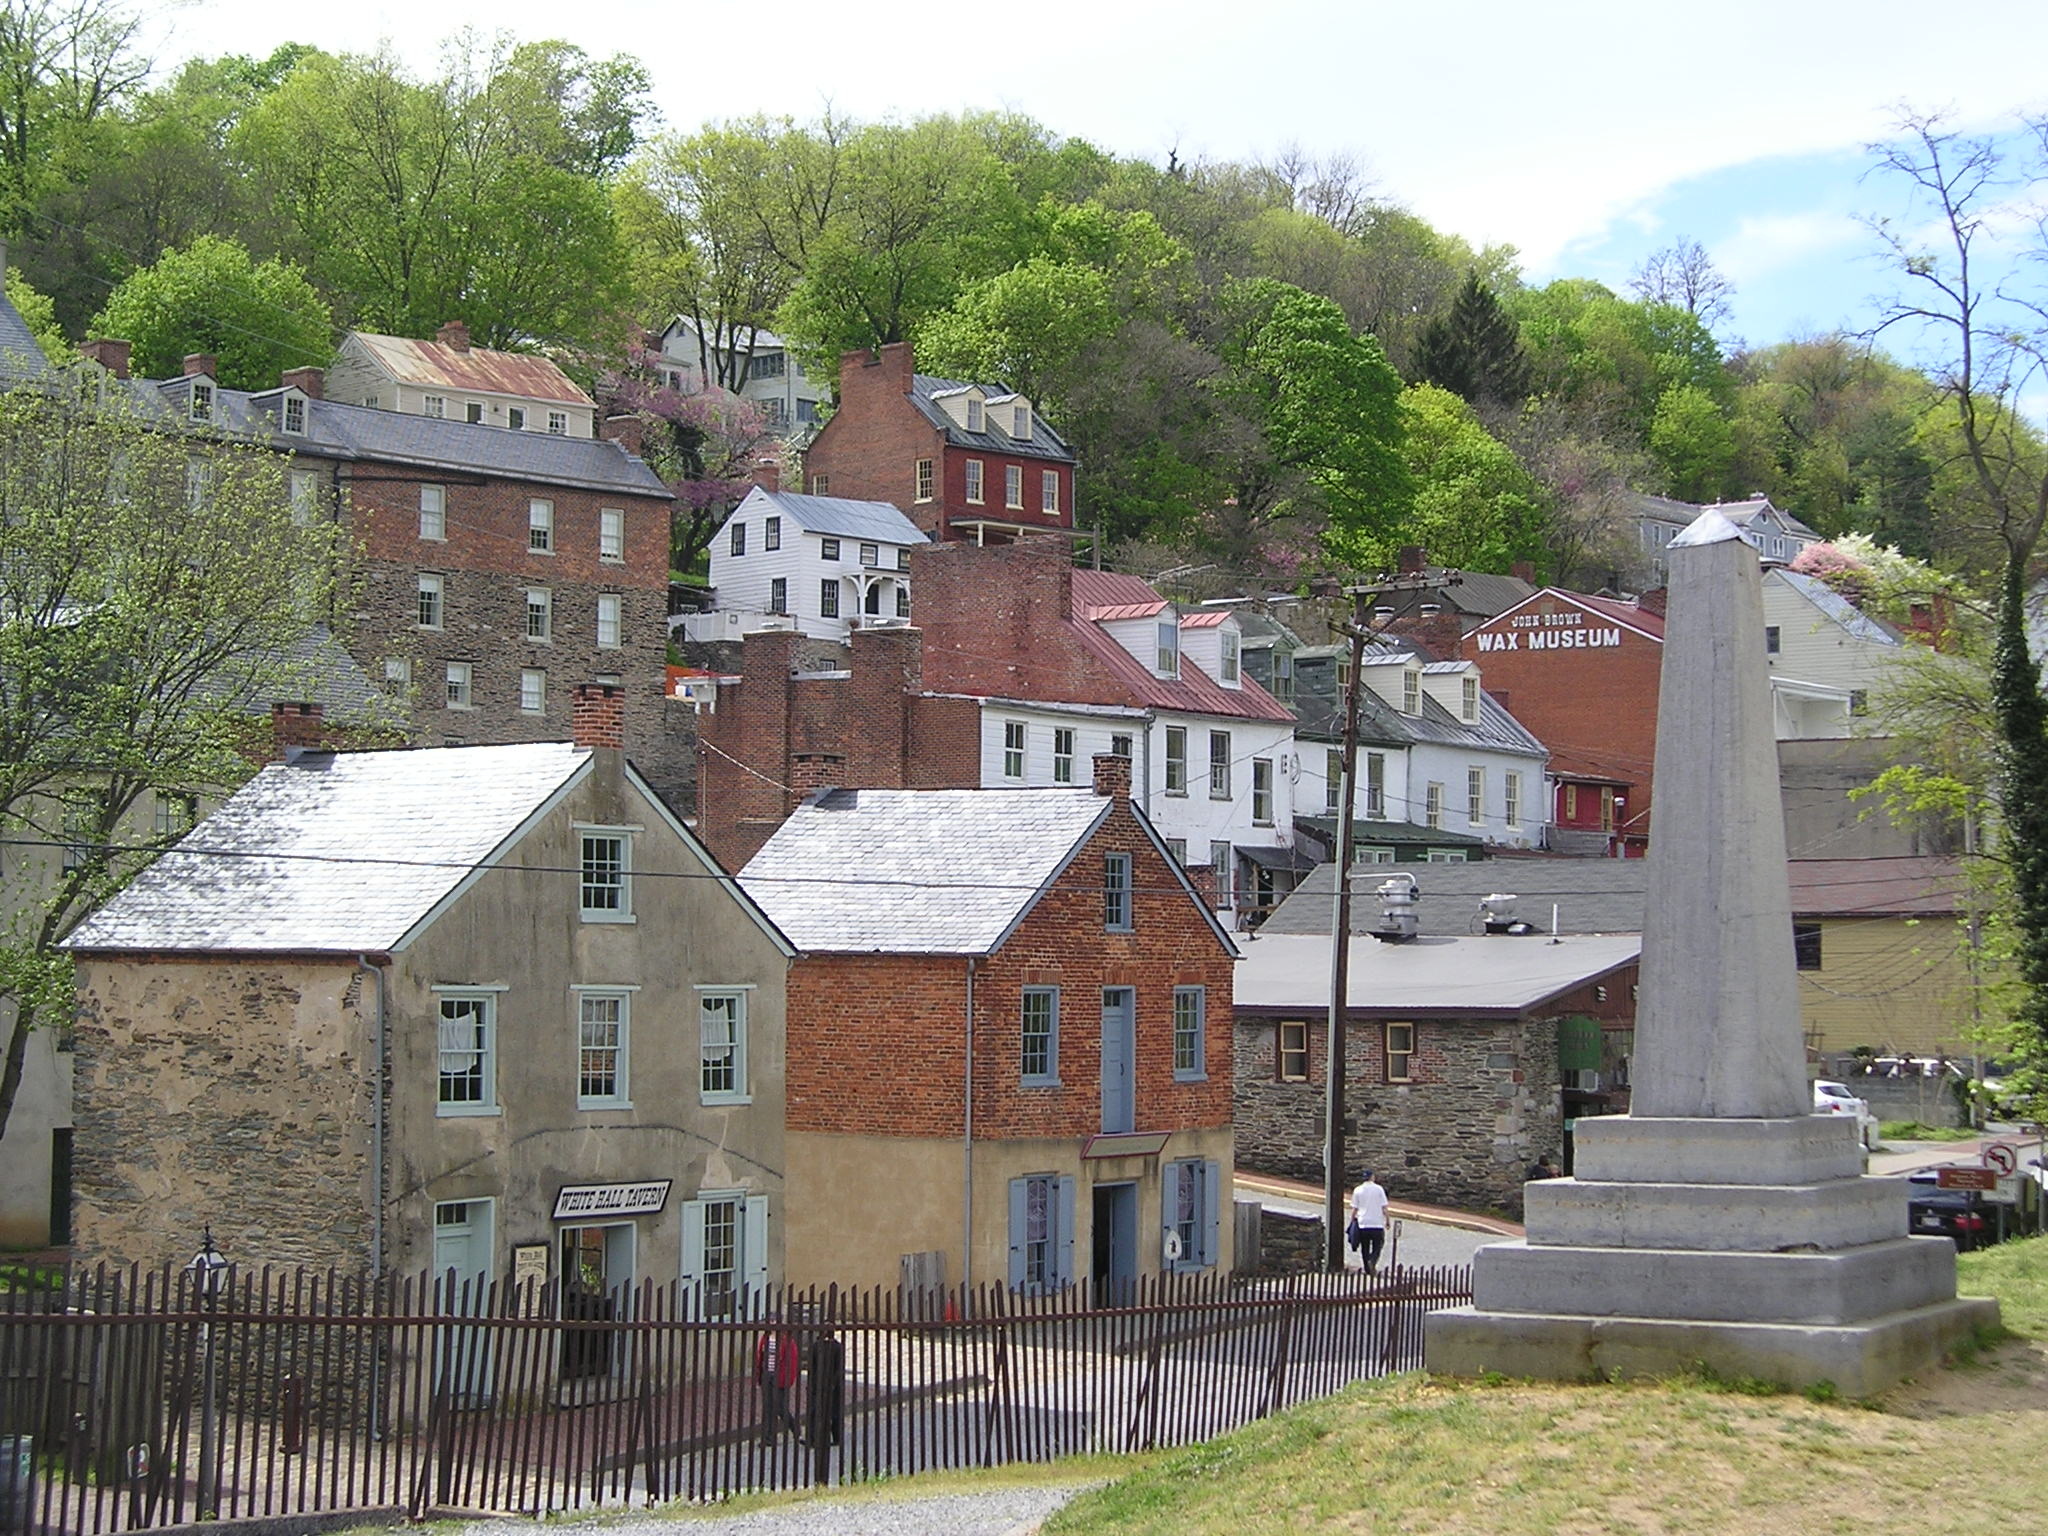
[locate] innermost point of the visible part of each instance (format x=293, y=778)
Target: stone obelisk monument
x=1720, y=1221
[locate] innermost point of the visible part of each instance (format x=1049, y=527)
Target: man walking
x=1369, y=1214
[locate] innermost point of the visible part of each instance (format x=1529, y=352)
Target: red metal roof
x=480, y=369
x=1102, y=594
x=1203, y=620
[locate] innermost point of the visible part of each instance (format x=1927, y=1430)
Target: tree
x=153, y=590
x=63, y=63
x=1475, y=506
x=1991, y=342
x=1684, y=276
x=1692, y=442
x=39, y=315
x=257, y=318
x=1475, y=352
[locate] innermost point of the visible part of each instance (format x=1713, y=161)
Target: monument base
x=1857, y=1360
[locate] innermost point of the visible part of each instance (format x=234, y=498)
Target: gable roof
x=1044, y=444
x=1100, y=596
x=1318, y=702
x=878, y=522
x=1495, y=975
x=1644, y=621
x=479, y=370
x=1837, y=608
x=336, y=852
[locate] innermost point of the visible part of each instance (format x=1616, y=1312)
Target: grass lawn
x=1913, y=1130
x=1958, y=1451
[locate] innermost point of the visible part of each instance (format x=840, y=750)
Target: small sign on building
x=1966, y=1178
x=582, y=1200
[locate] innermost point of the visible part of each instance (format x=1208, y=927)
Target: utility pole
x=1336, y=1192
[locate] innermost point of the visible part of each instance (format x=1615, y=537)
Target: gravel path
x=1000, y=1512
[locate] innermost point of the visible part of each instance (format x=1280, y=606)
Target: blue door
x=1119, y=1091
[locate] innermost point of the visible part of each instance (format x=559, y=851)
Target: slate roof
x=1045, y=443
x=1921, y=885
x=318, y=671
x=21, y=360
x=334, y=853
x=1493, y=975
x=1318, y=703
x=1853, y=620
x=1592, y=896
x=909, y=871
x=1107, y=594
x=877, y=522
x=335, y=430
x=480, y=370
x=1478, y=594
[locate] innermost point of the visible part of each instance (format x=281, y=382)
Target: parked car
x=1932, y=1211
x=1834, y=1099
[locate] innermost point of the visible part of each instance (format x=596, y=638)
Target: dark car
x=1961, y=1214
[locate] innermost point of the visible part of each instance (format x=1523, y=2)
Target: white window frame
x=923, y=477
x=611, y=535
x=295, y=415
x=433, y=600
x=1048, y=1037
x=1262, y=791
x=460, y=677
x=902, y=601
x=305, y=497
x=747, y=1216
x=533, y=690
x=397, y=674
x=1041, y=1265
x=1376, y=786
x=1470, y=697
x=1049, y=491
x=1475, y=794
x=1015, y=739
x=435, y=406
x=974, y=416
x=736, y=1067
x=1219, y=765
x=1063, y=754
x=1167, y=662
x=1511, y=790
x=1176, y=760
x=1223, y=864
x=621, y=1049
x=610, y=619
x=1020, y=423
x=558, y=423
x=597, y=874
x=1411, y=691
x=540, y=526
x=1233, y=657
x=1433, y=807
x=1333, y=778
x=1190, y=1034
x=201, y=405
x=540, y=616
x=485, y=1073
x=974, y=485
x=434, y=513
x=1013, y=487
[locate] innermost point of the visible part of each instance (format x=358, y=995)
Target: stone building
x=1008, y=1034
x=489, y=1009
x=1454, y=1055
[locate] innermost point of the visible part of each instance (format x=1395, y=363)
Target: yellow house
x=1881, y=954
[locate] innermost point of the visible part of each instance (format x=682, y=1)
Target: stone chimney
x=1112, y=776
x=295, y=727
x=109, y=354
x=598, y=719
x=310, y=382
x=454, y=334
x=201, y=365
x=1412, y=559
x=627, y=430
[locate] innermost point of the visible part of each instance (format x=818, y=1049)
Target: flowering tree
x=705, y=446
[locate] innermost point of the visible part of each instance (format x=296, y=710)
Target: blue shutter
x=1064, y=1248
x=1212, y=1200
x=1169, y=1202
x=1019, y=1198
x=754, y=1248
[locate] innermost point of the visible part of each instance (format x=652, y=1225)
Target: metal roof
x=1096, y=594
x=1317, y=702
x=1853, y=620
x=478, y=370
x=1044, y=444
x=877, y=522
x=910, y=871
x=1494, y=974
x=1591, y=895
x=335, y=852
x=1368, y=832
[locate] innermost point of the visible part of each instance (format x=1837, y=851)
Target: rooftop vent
x=1497, y=914
x=1399, y=921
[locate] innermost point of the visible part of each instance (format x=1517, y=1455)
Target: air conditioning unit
x=1583, y=1079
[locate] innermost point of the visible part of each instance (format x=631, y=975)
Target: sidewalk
x=1408, y=1210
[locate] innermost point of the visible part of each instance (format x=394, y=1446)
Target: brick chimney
x=201, y=365
x=110, y=354
x=1112, y=776
x=295, y=726
x=767, y=474
x=454, y=334
x=628, y=431
x=886, y=370
x=598, y=719
x=1524, y=570
x=810, y=772
x=1203, y=878
x=310, y=382
x=1653, y=600
x=1412, y=559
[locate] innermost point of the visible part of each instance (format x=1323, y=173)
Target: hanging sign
x=611, y=1199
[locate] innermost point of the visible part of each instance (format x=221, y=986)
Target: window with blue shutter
x=1041, y=1233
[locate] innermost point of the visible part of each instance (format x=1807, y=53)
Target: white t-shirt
x=1369, y=1204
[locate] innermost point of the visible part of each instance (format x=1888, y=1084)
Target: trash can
x=17, y=1482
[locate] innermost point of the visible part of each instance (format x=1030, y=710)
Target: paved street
x=1428, y=1237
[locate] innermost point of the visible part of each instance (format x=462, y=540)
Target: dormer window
x=974, y=422
x=1020, y=422
x=1231, y=657
x=294, y=414
x=202, y=402
x=1169, y=646
x=1471, y=699
x=1411, y=691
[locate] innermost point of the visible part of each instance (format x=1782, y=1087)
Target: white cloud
x=1768, y=243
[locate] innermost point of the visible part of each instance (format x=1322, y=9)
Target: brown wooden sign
x=1966, y=1178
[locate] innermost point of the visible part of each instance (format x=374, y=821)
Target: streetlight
x=207, y=1268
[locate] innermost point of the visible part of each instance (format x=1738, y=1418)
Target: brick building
x=1008, y=1026
x=496, y=568
x=1458, y=1055
x=964, y=460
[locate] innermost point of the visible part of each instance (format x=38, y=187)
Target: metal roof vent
x=1399, y=921
x=1497, y=914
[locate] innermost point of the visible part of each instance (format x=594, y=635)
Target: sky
x=1585, y=133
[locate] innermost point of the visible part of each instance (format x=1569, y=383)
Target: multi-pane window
x=174, y=813
x=871, y=556
x=611, y=534
x=1190, y=1012
x=1471, y=698
x=1283, y=675
x=1120, y=746
x=1063, y=755
x=1187, y=1186
x=202, y=402
x=1116, y=892
x=1020, y=422
x=1262, y=791
x=1178, y=847
x=1606, y=808
x=434, y=512
x=1041, y=1034
x=778, y=594
x=198, y=483
x=1232, y=656
x=1219, y=765
x=1013, y=486
x=540, y=526
x=738, y=541
x=722, y=1034
x=771, y=534
x=468, y=1053
x=1013, y=749
x=601, y=1019
x=1049, y=490
x=1571, y=803
x=430, y=600
x=458, y=678
x=1333, y=779
x=540, y=615
x=1475, y=794
x=828, y=549
x=1291, y=1051
x=821, y=485
x=294, y=414
x=1224, y=862
x=1411, y=691
x=435, y=406
x=828, y=598
x=1039, y=1269
x=608, y=620
x=305, y=494
x=923, y=480
x=902, y=601
x=397, y=675
x=720, y=1276
x=1376, y=786
x=974, y=481
x=1400, y=1052
x=1771, y=639
x=1176, y=759
x=1433, y=806
x=533, y=690
x=606, y=876
x=558, y=423
x=1511, y=797
x=974, y=415
x=1169, y=647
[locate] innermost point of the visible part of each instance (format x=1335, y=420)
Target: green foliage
x=1475, y=506
x=258, y=318
x=1029, y=327
x=39, y=314
x=1475, y=351
x=1692, y=442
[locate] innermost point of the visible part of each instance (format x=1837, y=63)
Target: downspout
x=376, y=972
x=967, y=1146
x=1145, y=762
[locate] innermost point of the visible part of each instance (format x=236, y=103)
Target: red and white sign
x=2003, y=1156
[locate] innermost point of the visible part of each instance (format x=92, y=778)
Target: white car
x=1835, y=1099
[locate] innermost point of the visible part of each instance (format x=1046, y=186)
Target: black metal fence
x=138, y=1400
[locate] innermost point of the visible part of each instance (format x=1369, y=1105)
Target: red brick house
x=964, y=460
x=1010, y=1040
